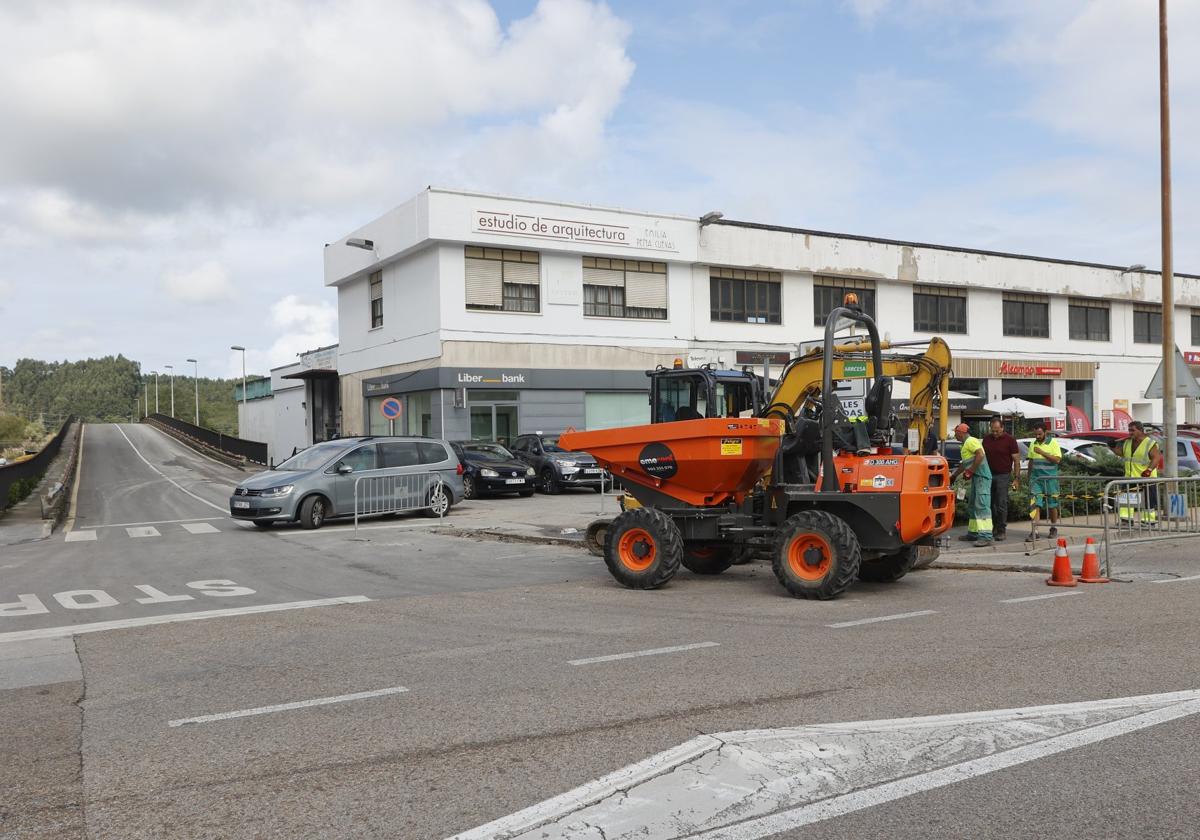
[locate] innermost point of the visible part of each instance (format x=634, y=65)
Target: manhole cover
x=1143, y=576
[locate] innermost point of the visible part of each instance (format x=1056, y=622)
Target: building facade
x=489, y=316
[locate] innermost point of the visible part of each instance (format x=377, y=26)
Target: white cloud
x=867, y=10
x=206, y=283
x=302, y=325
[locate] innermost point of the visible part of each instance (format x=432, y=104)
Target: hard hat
x=962, y=427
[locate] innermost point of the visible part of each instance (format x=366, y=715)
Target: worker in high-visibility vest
x=1142, y=460
x=1045, y=454
x=974, y=467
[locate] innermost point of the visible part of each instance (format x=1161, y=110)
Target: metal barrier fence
x=251, y=450
x=32, y=469
x=380, y=494
x=1140, y=510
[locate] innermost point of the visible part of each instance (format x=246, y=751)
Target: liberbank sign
x=648, y=237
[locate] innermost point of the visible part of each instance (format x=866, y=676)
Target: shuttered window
x=1147, y=323
x=502, y=279
x=620, y=288
x=376, y=286
x=939, y=309
x=1027, y=315
x=830, y=292
x=745, y=295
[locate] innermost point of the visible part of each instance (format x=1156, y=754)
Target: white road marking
x=760, y=783
x=79, y=536
x=199, y=528
x=1039, y=597
x=653, y=652
x=145, y=531
x=1177, y=580
x=284, y=707
x=122, y=623
x=163, y=522
x=173, y=482
x=895, y=617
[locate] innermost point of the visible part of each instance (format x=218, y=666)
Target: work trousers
x=1001, y=484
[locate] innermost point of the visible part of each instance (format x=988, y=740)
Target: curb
x=506, y=536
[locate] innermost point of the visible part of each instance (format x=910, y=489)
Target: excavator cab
x=681, y=393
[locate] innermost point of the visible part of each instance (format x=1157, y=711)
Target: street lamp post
x=155, y=391
x=243, y=349
x=172, y=369
x=146, y=396
x=196, y=382
x=1168, y=279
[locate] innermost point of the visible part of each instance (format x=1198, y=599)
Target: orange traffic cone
x=1091, y=564
x=1061, y=576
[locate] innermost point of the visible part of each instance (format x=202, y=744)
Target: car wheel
x=313, y=512
x=549, y=483
x=469, y=487
x=439, y=502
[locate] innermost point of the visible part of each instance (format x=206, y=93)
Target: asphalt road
x=475, y=679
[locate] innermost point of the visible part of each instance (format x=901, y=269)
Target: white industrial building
x=489, y=316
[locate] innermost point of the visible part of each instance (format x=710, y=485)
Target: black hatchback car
x=490, y=468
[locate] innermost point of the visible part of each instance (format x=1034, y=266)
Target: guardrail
x=32, y=469
x=1140, y=510
x=251, y=450
x=379, y=494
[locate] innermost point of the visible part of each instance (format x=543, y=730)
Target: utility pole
x=196, y=380
x=242, y=415
x=172, y=369
x=146, y=396
x=155, y=391
x=1168, y=278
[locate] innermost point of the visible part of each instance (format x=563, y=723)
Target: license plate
x=514, y=481
x=241, y=505
x=592, y=472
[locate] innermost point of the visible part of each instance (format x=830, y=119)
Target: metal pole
x=1168, y=279
x=146, y=396
x=156, y=392
x=196, y=382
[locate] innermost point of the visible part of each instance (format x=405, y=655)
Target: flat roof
x=982, y=252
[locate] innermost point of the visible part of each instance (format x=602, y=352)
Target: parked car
x=317, y=483
x=490, y=468
x=556, y=467
x=1071, y=448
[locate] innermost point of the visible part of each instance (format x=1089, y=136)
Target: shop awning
x=312, y=373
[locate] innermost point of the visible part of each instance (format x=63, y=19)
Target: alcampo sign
x=1015, y=369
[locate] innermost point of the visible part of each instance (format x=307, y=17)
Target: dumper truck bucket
x=702, y=463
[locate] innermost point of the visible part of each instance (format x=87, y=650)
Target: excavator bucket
x=697, y=462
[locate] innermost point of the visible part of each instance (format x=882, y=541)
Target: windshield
x=488, y=452
x=313, y=457
x=550, y=444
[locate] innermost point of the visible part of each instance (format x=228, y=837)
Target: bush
x=21, y=488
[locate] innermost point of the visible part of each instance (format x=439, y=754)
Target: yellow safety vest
x=1137, y=460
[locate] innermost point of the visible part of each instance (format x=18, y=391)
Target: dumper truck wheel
x=643, y=548
x=594, y=536
x=890, y=567
x=708, y=558
x=816, y=555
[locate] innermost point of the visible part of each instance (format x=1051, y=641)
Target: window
x=376, y=285
x=432, y=453
x=1027, y=315
x=939, y=309
x=830, y=292
x=400, y=454
x=502, y=280
x=1147, y=323
x=616, y=288
x=360, y=459
x=614, y=410
x=746, y=296
x=1195, y=328
x=1088, y=319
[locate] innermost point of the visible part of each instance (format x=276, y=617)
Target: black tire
x=595, y=535
x=469, y=487
x=925, y=558
x=439, y=500
x=264, y=525
x=525, y=494
x=889, y=568
x=816, y=555
x=313, y=512
x=708, y=558
x=637, y=535
x=548, y=482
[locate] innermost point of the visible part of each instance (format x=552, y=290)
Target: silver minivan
x=318, y=483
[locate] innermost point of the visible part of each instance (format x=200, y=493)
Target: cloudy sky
x=169, y=172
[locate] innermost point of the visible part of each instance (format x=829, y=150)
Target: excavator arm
x=800, y=384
